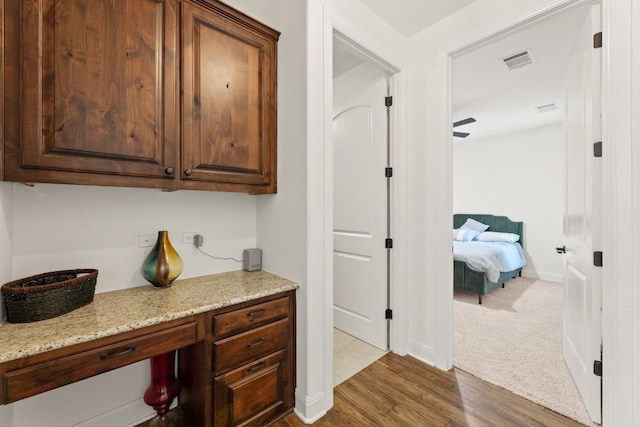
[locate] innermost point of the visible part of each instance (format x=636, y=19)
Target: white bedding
x=490, y=257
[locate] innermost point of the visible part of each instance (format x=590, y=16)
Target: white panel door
x=583, y=220
x=360, y=215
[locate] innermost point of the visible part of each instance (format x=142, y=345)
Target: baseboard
x=422, y=352
x=310, y=408
x=130, y=415
x=541, y=275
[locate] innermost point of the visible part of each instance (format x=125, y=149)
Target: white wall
x=6, y=232
x=282, y=231
x=519, y=175
x=353, y=82
x=65, y=226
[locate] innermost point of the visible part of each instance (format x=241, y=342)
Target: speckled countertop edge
x=124, y=310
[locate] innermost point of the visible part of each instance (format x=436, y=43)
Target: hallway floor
x=350, y=355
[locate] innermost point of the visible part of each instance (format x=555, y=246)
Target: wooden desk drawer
x=251, y=394
x=239, y=349
x=37, y=378
x=240, y=320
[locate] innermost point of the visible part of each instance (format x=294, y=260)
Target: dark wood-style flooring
x=402, y=391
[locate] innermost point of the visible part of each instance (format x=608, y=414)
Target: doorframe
x=620, y=303
x=535, y=19
x=398, y=294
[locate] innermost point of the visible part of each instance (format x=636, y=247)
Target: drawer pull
x=256, y=344
x=119, y=354
x=256, y=367
x=256, y=313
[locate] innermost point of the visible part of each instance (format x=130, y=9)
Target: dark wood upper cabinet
x=95, y=90
x=228, y=111
x=99, y=87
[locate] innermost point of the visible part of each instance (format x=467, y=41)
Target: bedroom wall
x=519, y=175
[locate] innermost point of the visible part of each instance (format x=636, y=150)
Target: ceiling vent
x=518, y=60
x=546, y=108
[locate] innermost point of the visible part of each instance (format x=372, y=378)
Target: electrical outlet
x=187, y=237
x=146, y=240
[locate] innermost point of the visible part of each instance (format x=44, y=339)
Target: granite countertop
x=124, y=310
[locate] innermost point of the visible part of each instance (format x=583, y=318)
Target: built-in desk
x=125, y=326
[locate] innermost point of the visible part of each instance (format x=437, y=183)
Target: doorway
x=361, y=207
x=500, y=141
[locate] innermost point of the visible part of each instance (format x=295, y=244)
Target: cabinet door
x=99, y=86
x=250, y=395
x=228, y=116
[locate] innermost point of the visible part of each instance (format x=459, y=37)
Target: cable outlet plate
x=146, y=240
x=188, y=236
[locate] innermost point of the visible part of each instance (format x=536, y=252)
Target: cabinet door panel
x=229, y=100
x=250, y=395
x=103, y=97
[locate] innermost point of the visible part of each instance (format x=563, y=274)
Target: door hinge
x=388, y=172
x=388, y=101
x=597, y=149
x=388, y=314
x=597, y=258
x=597, y=368
x=388, y=243
x=597, y=40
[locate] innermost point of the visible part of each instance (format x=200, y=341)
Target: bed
x=474, y=274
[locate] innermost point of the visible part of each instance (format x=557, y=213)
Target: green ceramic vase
x=163, y=265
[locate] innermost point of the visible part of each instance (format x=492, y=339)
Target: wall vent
x=518, y=60
x=546, y=108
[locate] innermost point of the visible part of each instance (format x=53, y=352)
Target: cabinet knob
x=168, y=171
x=187, y=172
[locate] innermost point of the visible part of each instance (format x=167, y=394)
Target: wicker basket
x=48, y=295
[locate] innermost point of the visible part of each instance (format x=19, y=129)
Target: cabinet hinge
x=388, y=243
x=597, y=258
x=597, y=367
x=597, y=40
x=597, y=149
x=388, y=172
x=388, y=101
x=388, y=314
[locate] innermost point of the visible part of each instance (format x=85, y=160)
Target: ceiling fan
x=460, y=123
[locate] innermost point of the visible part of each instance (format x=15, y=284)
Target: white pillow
x=472, y=224
x=495, y=236
x=462, y=235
